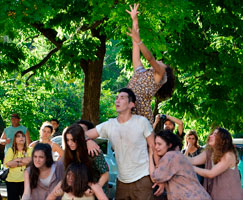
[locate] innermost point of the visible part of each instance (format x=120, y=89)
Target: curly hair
x=223, y=144
x=167, y=89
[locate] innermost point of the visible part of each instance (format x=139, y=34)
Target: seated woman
x=43, y=174
x=76, y=151
x=193, y=149
x=146, y=83
x=16, y=159
x=174, y=170
x=76, y=185
x=222, y=179
x=45, y=137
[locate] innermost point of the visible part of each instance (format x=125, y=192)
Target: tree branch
x=35, y=67
x=92, y=26
x=26, y=82
x=50, y=34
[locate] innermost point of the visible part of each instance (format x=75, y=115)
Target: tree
x=200, y=39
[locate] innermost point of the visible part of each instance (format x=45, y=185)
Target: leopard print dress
x=143, y=85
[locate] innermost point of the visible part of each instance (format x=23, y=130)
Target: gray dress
x=225, y=186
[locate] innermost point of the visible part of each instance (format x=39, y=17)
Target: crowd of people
x=150, y=159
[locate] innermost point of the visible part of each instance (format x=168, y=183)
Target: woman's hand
x=159, y=190
x=134, y=34
x=89, y=192
x=134, y=11
x=189, y=146
x=56, y=192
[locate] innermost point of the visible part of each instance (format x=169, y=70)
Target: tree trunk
x=2, y=124
x=92, y=84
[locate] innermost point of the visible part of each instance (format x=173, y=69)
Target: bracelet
x=141, y=42
x=17, y=163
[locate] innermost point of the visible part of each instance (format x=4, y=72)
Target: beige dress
x=180, y=180
x=225, y=186
x=144, y=87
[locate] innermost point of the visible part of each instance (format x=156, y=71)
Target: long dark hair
x=81, y=153
x=170, y=139
x=14, y=145
x=167, y=89
x=35, y=172
x=223, y=144
x=82, y=177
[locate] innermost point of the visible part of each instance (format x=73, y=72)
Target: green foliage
x=201, y=40
x=107, y=104
x=48, y=98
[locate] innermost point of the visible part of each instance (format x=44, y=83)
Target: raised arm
x=4, y=139
x=135, y=48
x=58, y=149
x=156, y=121
x=158, y=66
x=178, y=122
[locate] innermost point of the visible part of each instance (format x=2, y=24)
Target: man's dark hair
x=131, y=95
x=170, y=121
x=55, y=120
x=89, y=124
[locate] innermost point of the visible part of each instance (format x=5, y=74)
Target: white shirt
x=129, y=142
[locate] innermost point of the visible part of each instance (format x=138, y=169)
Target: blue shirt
x=9, y=132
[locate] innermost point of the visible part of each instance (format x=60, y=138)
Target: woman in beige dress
x=221, y=174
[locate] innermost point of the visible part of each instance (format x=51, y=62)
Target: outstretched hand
x=134, y=34
x=133, y=11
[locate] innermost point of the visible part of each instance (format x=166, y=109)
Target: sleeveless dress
x=144, y=87
x=225, y=186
